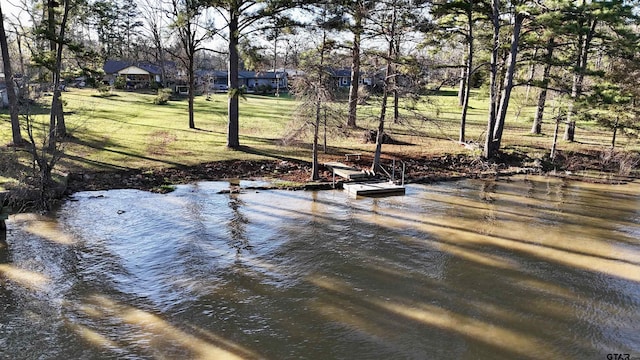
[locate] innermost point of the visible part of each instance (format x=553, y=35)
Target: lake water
x=525, y=268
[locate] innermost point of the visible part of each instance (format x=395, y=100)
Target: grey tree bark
x=355, y=70
x=508, y=82
x=385, y=92
x=11, y=91
x=233, y=129
x=57, y=126
x=493, y=74
x=536, y=128
x=467, y=78
x=584, y=46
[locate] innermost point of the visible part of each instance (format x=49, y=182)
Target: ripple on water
x=317, y=274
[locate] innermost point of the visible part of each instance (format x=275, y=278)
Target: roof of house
x=261, y=74
x=114, y=66
x=244, y=74
x=341, y=72
x=215, y=73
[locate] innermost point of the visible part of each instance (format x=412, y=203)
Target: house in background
x=137, y=75
x=259, y=81
x=4, y=97
x=342, y=78
x=252, y=81
x=211, y=80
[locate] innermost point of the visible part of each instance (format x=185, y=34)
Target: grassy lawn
x=127, y=131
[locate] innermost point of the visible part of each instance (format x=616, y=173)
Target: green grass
x=127, y=131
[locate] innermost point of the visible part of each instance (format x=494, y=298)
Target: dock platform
x=347, y=172
x=374, y=189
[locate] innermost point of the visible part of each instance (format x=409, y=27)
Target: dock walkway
x=364, y=183
x=347, y=172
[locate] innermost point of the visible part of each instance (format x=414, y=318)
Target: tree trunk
x=508, y=82
x=157, y=38
x=467, y=78
x=555, y=139
x=536, y=128
x=615, y=132
x=192, y=87
x=584, y=45
x=570, y=128
x=380, y=135
x=315, y=167
x=396, y=94
x=385, y=94
x=532, y=73
x=57, y=126
x=233, y=129
x=355, y=70
x=462, y=85
x=324, y=118
x=51, y=24
x=11, y=92
x=489, y=151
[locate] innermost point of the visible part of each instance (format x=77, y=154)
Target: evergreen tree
x=597, y=27
x=241, y=17
x=458, y=18
x=516, y=12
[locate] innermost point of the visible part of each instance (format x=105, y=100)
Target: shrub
x=264, y=89
x=163, y=97
x=120, y=83
x=103, y=89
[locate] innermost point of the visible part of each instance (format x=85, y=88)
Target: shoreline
x=295, y=174
x=287, y=175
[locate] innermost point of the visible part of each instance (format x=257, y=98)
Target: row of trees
x=578, y=51
x=572, y=48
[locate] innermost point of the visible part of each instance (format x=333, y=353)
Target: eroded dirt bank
x=295, y=174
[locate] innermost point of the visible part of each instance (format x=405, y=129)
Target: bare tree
x=191, y=34
x=389, y=31
x=57, y=126
x=11, y=93
x=314, y=89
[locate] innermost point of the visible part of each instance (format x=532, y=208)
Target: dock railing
x=392, y=175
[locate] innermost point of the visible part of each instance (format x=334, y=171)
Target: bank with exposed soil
x=296, y=174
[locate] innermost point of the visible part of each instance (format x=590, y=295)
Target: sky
x=10, y=11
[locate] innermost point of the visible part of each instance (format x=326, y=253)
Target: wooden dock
x=374, y=189
x=347, y=172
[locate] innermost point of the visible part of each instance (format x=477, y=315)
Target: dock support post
x=333, y=184
x=393, y=170
x=403, y=173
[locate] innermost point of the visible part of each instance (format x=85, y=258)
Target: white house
x=136, y=75
x=4, y=99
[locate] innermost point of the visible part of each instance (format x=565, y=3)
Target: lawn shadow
x=102, y=144
x=274, y=155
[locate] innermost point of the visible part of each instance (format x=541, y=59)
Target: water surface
x=523, y=268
